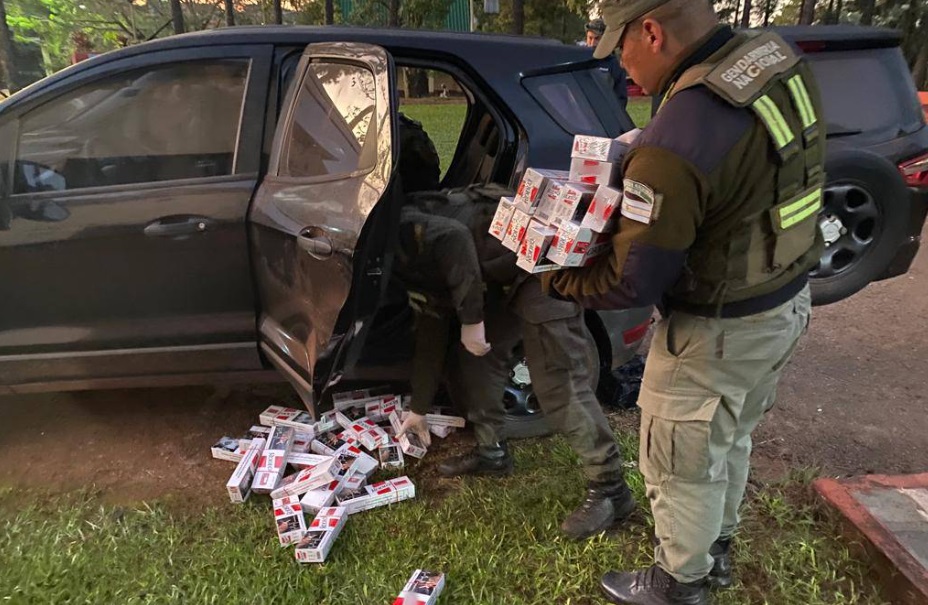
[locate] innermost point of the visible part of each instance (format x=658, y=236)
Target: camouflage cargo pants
x=561, y=354
x=707, y=384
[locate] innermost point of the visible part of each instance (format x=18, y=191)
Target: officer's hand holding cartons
x=564, y=219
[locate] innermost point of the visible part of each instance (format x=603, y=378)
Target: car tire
x=863, y=221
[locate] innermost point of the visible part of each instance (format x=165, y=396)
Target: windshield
x=867, y=91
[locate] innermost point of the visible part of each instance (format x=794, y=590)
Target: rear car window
x=867, y=91
x=588, y=100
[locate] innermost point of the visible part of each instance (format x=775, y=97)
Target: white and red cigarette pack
x=572, y=203
x=310, y=478
x=379, y=408
x=516, y=229
x=230, y=449
x=288, y=516
x=532, y=185
x=358, y=394
x=326, y=423
x=445, y=420
x=594, y=172
x=300, y=460
x=273, y=461
x=547, y=201
x=440, y=430
x=314, y=545
x=327, y=443
x=409, y=442
x=423, y=588
x=300, y=420
x=377, y=495
x=597, y=148
x=301, y=443
x=502, y=217
x=599, y=216
x=316, y=499
x=239, y=484
x=259, y=430
x=575, y=246
x=391, y=456
x=534, y=250
x=363, y=465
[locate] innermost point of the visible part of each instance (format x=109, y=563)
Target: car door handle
x=173, y=226
x=316, y=243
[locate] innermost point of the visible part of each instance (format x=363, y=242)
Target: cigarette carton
x=423, y=588
x=597, y=148
x=328, y=518
x=327, y=444
x=359, y=394
x=377, y=495
x=594, y=172
x=547, y=201
x=516, y=229
x=391, y=456
x=311, y=478
x=575, y=246
x=326, y=423
x=533, y=183
x=298, y=419
x=409, y=443
x=288, y=516
x=572, y=203
x=316, y=499
x=273, y=461
x=229, y=449
x=315, y=544
x=379, y=408
x=301, y=443
x=599, y=216
x=445, y=420
x=259, y=431
x=441, y=430
x=502, y=217
x=534, y=250
x=301, y=461
x=364, y=465
x=239, y=484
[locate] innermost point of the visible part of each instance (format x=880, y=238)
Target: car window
x=332, y=116
x=865, y=91
x=439, y=102
x=176, y=121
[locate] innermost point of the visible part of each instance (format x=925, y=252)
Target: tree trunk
x=518, y=17
x=920, y=69
x=768, y=9
x=7, y=60
x=329, y=12
x=866, y=11
x=278, y=13
x=838, y=12
x=393, y=18
x=230, y=13
x=177, y=17
x=807, y=12
x=417, y=83
x=746, y=15
x=830, y=13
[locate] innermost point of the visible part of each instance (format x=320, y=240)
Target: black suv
x=877, y=163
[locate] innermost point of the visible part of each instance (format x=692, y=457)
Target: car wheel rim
x=519, y=397
x=850, y=225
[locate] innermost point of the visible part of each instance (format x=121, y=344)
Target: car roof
x=483, y=51
x=845, y=36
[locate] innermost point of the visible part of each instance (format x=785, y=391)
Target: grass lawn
x=443, y=122
x=639, y=109
x=497, y=542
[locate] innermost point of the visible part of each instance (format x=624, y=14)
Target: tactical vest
x=771, y=245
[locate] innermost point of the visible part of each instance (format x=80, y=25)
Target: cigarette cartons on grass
x=409, y=442
x=273, y=461
x=239, y=484
x=230, y=449
x=316, y=543
x=316, y=499
x=310, y=478
x=300, y=420
x=423, y=588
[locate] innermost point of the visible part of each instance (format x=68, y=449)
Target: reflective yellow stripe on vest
x=801, y=209
x=797, y=88
x=773, y=119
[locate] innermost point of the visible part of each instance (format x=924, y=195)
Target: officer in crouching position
x=719, y=224
x=510, y=307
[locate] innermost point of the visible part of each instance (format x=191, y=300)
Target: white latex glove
x=474, y=339
x=416, y=424
x=629, y=137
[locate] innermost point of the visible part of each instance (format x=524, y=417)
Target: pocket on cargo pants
x=676, y=436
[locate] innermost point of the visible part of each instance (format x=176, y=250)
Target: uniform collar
x=700, y=51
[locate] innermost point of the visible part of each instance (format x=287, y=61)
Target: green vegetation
x=443, y=122
x=497, y=541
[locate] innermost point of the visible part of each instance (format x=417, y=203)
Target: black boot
x=493, y=460
x=653, y=586
x=720, y=576
x=605, y=505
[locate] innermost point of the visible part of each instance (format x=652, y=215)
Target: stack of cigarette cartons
x=316, y=542
x=239, y=484
x=564, y=219
x=423, y=588
x=300, y=420
x=272, y=463
x=373, y=496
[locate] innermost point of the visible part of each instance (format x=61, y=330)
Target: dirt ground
x=852, y=401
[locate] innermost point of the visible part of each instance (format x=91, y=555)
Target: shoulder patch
x=743, y=75
x=640, y=202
